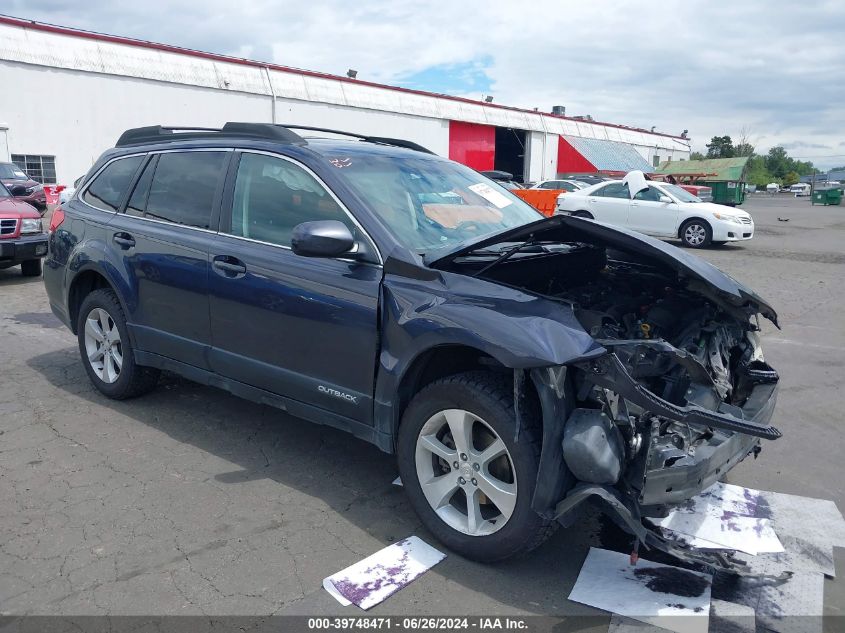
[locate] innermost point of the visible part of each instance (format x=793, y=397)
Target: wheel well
x=83, y=285
x=448, y=360
x=583, y=213
x=688, y=220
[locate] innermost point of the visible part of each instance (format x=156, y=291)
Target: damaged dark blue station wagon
x=517, y=365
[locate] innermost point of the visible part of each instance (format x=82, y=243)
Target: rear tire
x=483, y=403
x=106, y=350
x=31, y=268
x=584, y=214
x=696, y=234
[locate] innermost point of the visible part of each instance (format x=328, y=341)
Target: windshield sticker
x=340, y=163
x=492, y=196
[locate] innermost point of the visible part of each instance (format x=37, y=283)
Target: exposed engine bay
x=683, y=395
x=661, y=388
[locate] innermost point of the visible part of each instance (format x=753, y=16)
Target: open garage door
x=485, y=147
x=510, y=152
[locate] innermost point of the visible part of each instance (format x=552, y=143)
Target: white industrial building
x=68, y=95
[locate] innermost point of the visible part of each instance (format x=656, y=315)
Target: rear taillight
x=57, y=218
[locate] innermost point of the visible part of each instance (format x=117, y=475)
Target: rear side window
x=613, y=190
x=108, y=188
x=182, y=188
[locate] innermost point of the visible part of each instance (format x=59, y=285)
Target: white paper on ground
x=742, y=533
x=370, y=581
x=608, y=581
x=721, y=498
x=398, y=482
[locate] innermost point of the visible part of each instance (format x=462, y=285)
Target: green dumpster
x=827, y=196
x=729, y=192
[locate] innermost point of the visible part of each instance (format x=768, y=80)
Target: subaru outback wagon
x=517, y=365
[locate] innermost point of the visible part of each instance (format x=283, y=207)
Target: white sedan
x=659, y=209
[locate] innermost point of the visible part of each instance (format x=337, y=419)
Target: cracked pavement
x=191, y=501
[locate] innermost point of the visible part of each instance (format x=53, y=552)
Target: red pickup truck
x=22, y=237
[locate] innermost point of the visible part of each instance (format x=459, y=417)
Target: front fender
x=519, y=330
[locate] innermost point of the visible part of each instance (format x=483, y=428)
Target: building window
x=40, y=168
x=656, y=161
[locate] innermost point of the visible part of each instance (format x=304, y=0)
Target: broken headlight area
x=681, y=397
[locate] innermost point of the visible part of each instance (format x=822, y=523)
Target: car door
x=649, y=215
x=609, y=203
x=162, y=238
x=302, y=328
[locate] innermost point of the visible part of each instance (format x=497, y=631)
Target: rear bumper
x=19, y=249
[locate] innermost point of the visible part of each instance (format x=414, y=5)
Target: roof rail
x=165, y=134
x=381, y=140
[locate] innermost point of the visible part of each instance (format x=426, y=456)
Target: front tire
x=106, y=350
x=31, y=268
x=696, y=234
x=468, y=480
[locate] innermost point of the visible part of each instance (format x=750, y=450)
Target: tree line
x=775, y=166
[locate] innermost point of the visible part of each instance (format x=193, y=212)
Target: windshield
x=10, y=171
x=429, y=203
x=681, y=194
x=4, y=193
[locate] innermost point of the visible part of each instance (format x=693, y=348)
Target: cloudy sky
x=773, y=67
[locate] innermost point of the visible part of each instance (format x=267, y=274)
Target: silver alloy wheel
x=102, y=345
x=472, y=488
x=695, y=234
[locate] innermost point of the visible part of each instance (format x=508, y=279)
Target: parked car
x=516, y=365
x=662, y=210
x=23, y=187
x=564, y=185
x=588, y=179
x=503, y=178
x=67, y=193
x=22, y=238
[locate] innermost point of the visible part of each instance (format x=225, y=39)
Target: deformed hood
x=571, y=229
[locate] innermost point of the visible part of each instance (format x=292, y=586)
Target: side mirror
x=17, y=190
x=324, y=238
x=665, y=199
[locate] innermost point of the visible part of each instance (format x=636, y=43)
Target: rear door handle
x=124, y=240
x=228, y=266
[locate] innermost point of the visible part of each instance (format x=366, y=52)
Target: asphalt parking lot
x=191, y=501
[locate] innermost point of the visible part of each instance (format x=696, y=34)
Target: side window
x=649, y=195
x=138, y=200
x=108, y=188
x=273, y=195
x=183, y=186
x=613, y=190
x=551, y=184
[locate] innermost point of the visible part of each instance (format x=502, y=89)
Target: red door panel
x=472, y=144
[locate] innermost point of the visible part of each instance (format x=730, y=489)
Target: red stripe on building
x=472, y=144
x=570, y=160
